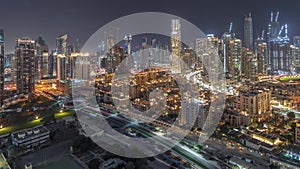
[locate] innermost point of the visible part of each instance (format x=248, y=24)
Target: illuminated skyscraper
x=230, y=51
x=280, y=59
x=41, y=61
x=295, y=54
x=248, y=65
x=61, y=52
x=248, y=32
x=82, y=66
x=52, y=69
x=261, y=52
x=61, y=44
x=25, y=55
x=61, y=67
x=175, y=46
x=201, y=48
x=1, y=67
x=279, y=46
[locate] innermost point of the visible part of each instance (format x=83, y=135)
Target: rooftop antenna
x=277, y=15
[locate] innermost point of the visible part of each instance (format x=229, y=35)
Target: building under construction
x=279, y=46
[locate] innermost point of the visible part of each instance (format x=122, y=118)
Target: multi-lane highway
x=184, y=152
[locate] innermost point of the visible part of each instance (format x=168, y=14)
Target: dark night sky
x=81, y=18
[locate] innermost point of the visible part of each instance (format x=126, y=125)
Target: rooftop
x=27, y=133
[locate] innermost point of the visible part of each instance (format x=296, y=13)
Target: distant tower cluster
x=175, y=46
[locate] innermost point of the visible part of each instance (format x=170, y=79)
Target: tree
x=274, y=166
x=94, y=164
x=130, y=165
x=291, y=115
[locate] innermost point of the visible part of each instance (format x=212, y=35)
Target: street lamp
x=1, y=126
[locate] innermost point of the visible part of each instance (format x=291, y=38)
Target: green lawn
x=33, y=123
x=60, y=115
x=10, y=129
x=287, y=79
x=25, y=119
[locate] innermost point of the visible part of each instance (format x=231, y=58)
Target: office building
x=31, y=138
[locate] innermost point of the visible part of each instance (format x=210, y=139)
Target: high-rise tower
x=61, y=51
x=25, y=55
x=41, y=61
x=175, y=46
x=248, y=32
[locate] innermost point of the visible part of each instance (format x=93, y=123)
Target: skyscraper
x=248, y=32
x=230, y=51
x=278, y=45
x=280, y=59
x=248, y=65
x=61, y=44
x=175, y=46
x=41, y=61
x=25, y=54
x=261, y=52
x=295, y=53
x=201, y=48
x=1, y=67
x=61, y=67
x=82, y=66
x=52, y=59
x=61, y=52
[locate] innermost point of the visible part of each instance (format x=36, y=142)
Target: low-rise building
x=31, y=138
